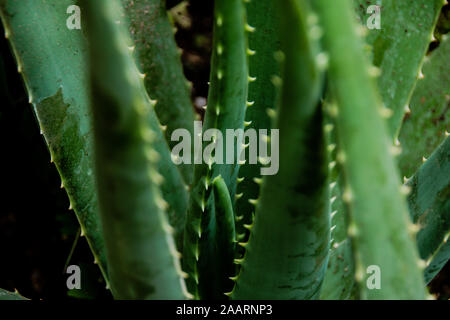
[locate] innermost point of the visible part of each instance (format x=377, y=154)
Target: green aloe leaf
x=287, y=252
x=141, y=253
x=227, y=100
x=52, y=59
x=159, y=58
x=425, y=126
x=429, y=204
x=398, y=48
x=173, y=187
x=379, y=219
x=264, y=43
x=339, y=281
x=219, y=241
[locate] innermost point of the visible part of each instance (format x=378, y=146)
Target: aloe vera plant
x=322, y=214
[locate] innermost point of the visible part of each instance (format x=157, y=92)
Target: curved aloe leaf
x=379, y=220
x=287, y=252
x=225, y=230
x=159, y=58
x=220, y=243
x=51, y=59
x=140, y=250
x=173, y=186
x=226, y=109
x=339, y=282
x=398, y=49
x=425, y=126
x=264, y=42
x=429, y=204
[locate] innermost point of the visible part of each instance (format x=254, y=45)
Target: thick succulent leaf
x=6, y=295
x=158, y=57
x=52, y=61
x=220, y=242
x=225, y=231
x=264, y=43
x=365, y=156
x=425, y=127
x=287, y=252
x=227, y=99
x=173, y=186
x=398, y=48
x=339, y=280
x=140, y=250
x=429, y=204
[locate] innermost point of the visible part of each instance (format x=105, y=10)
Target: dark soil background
x=37, y=231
